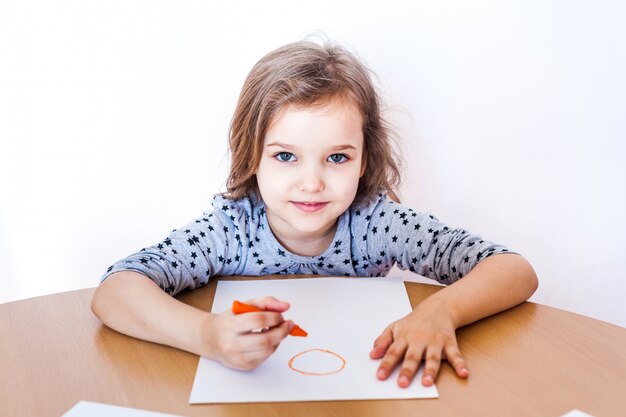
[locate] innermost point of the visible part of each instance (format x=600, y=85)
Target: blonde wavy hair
x=309, y=74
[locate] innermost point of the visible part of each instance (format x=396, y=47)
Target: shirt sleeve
x=188, y=256
x=421, y=243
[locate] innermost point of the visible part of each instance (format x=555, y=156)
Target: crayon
x=240, y=308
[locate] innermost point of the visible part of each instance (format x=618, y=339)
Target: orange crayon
x=240, y=308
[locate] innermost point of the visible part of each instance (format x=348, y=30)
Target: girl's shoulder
x=249, y=206
x=248, y=209
x=381, y=205
x=375, y=202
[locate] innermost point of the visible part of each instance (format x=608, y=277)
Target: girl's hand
x=427, y=333
x=244, y=341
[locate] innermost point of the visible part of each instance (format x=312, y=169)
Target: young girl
x=310, y=191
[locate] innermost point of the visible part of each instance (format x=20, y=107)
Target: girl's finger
x=249, y=322
x=265, y=343
x=412, y=360
x=394, y=355
x=454, y=357
x=270, y=304
x=431, y=368
x=381, y=344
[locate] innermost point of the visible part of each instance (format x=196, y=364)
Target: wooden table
x=531, y=360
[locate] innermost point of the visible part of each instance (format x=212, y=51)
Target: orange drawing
x=293, y=368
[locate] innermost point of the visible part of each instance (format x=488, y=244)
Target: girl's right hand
x=244, y=341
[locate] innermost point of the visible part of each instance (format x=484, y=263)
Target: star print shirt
x=235, y=239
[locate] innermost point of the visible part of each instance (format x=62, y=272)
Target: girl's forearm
x=131, y=303
x=495, y=284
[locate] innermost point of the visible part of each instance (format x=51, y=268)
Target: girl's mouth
x=309, y=207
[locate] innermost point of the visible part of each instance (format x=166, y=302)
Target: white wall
x=114, y=115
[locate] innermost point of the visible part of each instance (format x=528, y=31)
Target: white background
x=114, y=117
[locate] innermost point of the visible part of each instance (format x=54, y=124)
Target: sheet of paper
x=343, y=317
x=89, y=409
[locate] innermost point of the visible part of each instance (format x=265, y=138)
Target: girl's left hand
x=427, y=333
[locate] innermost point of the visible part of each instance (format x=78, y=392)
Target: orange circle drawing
x=293, y=368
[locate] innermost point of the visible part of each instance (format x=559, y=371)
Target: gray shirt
x=235, y=239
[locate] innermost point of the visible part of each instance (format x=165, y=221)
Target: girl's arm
x=131, y=303
x=493, y=285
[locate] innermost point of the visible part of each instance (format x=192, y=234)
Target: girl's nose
x=311, y=182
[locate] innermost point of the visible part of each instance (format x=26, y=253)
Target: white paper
x=89, y=409
x=343, y=315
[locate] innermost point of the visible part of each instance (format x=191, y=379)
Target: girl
x=311, y=191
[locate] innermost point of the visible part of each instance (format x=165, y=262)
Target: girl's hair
x=307, y=74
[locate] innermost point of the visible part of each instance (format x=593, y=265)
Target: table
x=530, y=360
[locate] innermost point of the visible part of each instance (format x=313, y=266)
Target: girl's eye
x=337, y=158
x=285, y=157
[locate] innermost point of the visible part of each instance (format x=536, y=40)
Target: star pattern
x=370, y=239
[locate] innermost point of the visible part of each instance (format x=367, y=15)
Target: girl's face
x=309, y=171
